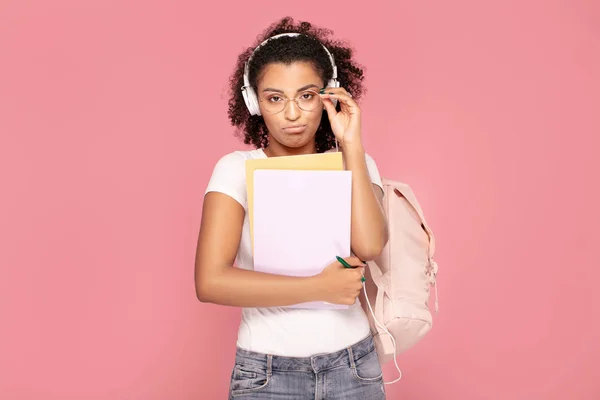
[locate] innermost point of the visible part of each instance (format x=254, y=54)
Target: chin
x=299, y=143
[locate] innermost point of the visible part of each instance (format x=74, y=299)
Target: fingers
x=342, y=95
x=347, y=104
x=329, y=107
x=339, y=90
x=351, y=298
x=355, y=261
x=358, y=265
x=361, y=277
x=358, y=276
x=349, y=302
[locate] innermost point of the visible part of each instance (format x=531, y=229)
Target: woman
x=286, y=101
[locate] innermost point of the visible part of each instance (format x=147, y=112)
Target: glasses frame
x=295, y=99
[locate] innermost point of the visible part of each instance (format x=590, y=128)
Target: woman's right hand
x=341, y=285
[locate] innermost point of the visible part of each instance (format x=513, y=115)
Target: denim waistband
x=316, y=363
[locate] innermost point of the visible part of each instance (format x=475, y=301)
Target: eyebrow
x=299, y=90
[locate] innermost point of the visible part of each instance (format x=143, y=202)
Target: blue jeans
x=352, y=373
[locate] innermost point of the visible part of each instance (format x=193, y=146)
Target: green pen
x=346, y=265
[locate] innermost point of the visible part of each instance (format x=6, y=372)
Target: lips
x=295, y=129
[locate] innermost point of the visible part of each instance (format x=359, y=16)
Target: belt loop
x=269, y=365
x=351, y=357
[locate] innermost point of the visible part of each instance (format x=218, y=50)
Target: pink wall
x=112, y=115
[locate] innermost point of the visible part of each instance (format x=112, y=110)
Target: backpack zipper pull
x=432, y=275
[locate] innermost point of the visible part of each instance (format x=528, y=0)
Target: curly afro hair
x=306, y=47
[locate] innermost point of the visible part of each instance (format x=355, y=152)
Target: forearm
x=369, y=226
x=243, y=288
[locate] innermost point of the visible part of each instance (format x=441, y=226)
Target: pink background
x=113, y=114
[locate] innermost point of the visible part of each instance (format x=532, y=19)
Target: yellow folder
x=331, y=161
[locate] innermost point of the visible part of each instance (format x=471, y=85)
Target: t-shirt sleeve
x=229, y=177
x=373, y=171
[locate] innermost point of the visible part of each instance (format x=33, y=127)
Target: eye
x=274, y=99
x=307, y=96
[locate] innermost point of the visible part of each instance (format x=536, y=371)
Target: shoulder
x=369, y=158
x=373, y=171
x=371, y=164
x=234, y=163
x=229, y=175
x=236, y=158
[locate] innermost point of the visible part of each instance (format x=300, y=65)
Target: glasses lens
x=274, y=103
x=309, y=100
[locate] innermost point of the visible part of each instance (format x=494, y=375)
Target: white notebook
x=301, y=222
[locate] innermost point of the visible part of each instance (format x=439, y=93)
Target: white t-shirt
x=277, y=330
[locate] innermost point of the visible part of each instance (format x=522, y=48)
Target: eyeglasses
x=308, y=100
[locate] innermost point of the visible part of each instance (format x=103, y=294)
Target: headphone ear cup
x=251, y=100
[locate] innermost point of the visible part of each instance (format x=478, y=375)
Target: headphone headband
x=248, y=92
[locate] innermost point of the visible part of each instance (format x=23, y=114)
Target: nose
x=292, y=111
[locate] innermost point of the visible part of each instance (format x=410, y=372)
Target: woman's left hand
x=346, y=123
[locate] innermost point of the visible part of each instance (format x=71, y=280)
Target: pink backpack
x=401, y=277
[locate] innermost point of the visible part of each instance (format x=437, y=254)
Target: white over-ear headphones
x=250, y=95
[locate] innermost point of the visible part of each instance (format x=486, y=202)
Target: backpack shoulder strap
x=405, y=190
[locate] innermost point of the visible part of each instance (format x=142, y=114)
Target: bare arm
x=369, y=226
x=217, y=281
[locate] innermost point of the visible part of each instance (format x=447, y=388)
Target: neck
x=275, y=149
